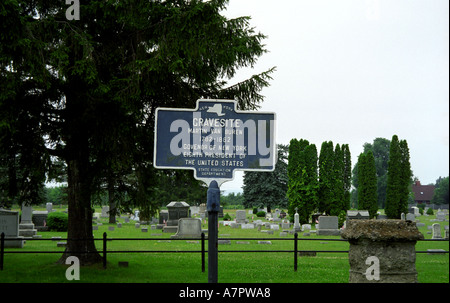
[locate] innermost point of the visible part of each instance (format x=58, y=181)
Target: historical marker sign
x=214, y=140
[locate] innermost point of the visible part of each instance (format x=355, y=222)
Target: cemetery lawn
x=234, y=267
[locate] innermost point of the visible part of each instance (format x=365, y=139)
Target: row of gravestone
x=327, y=225
x=30, y=223
x=188, y=227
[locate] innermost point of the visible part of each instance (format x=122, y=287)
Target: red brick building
x=422, y=193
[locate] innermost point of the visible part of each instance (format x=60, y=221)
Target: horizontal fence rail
x=201, y=240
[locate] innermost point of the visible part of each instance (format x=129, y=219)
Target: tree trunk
x=78, y=117
x=80, y=242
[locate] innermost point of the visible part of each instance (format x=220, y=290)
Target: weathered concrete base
x=391, y=242
x=397, y=261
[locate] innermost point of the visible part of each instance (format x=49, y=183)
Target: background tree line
x=325, y=182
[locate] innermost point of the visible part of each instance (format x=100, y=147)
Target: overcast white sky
x=352, y=71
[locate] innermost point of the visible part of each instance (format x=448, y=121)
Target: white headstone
x=285, y=225
x=306, y=227
x=296, y=221
x=195, y=210
x=436, y=231
x=275, y=226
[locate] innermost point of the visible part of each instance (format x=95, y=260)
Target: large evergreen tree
x=85, y=91
x=347, y=175
x=303, y=184
x=398, y=179
x=380, y=149
x=327, y=178
x=367, y=180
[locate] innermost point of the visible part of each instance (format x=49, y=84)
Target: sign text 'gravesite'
x=214, y=140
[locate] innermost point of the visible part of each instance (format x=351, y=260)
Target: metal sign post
x=214, y=140
x=213, y=206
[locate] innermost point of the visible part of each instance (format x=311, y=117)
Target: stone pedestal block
x=391, y=243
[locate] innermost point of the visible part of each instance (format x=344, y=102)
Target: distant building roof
x=422, y=192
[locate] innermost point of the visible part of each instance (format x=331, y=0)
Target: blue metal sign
x=214, y=140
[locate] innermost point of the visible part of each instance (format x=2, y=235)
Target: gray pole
x=212, y=206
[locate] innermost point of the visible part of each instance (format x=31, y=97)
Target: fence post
x=203, y=252
x=295, y=251
x=2, y=250
x=104, y=250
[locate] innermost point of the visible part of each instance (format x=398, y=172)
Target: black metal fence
x=202, y=251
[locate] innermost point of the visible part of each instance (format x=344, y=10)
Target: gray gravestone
x=328, y=226
x=440, y=216
x=247, y=226
x=9, y=225
x=188, y=228
x=177, y=210
x=410, y=217
x=40, y=220
x=357, y=214
x=105, y=212
x=163, y=216
x=26, y=226
x=49, y=207
x=240, y=216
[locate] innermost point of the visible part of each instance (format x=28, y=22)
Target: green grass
x=243, y=267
